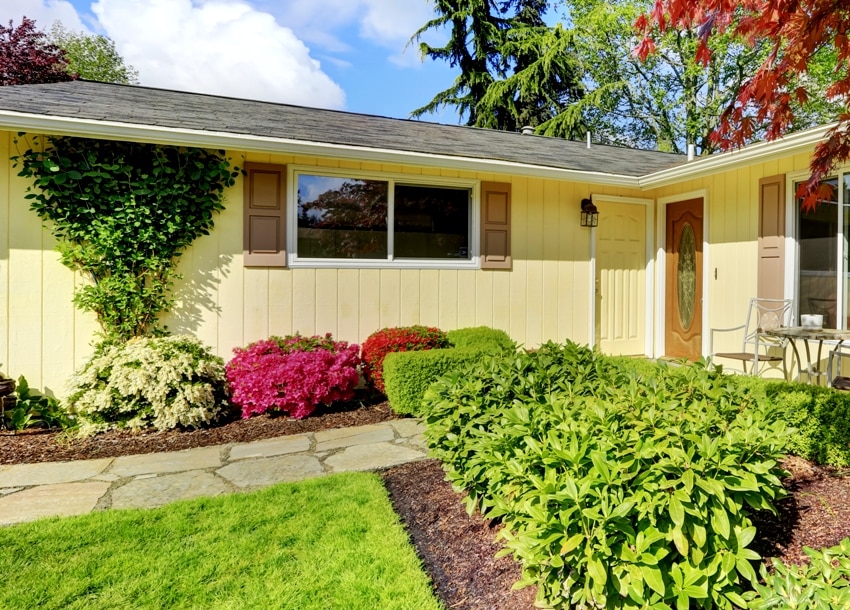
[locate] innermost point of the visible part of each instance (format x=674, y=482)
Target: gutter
x=17, y=121
x=803, y=141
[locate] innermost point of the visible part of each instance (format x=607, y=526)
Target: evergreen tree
x=514, y=70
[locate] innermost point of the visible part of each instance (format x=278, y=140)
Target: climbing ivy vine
x=122, y=213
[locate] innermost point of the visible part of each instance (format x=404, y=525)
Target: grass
x=328, y=543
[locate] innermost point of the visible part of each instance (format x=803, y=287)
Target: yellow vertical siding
x=5, y=196
x=545, y=296
x=327, y=301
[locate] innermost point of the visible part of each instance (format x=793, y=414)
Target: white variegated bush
x=160, y=382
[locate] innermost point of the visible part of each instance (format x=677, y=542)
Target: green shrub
x=397, y=339
x=34, y=410
x=408, y=374
x=618, y=487
x=820, y=417
x=823, y=583
x=481, y=337
x=162, y=382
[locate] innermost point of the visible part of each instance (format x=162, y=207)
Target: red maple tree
x=26, y=57
x=797, y=30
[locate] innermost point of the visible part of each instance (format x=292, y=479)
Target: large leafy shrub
x=617, y=489
x=398, y=339
x=408, y=374
x=292, y=374
x=162, y=382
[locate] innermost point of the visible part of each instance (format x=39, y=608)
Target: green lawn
x=326, y=543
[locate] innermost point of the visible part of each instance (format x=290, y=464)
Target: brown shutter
x=495, y=225
x=771, y=271
x=264, y=231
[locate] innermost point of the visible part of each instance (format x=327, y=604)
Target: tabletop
x=809, y=334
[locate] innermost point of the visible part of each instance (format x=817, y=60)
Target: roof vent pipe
x=588, y=139
x=528, y=130
x=692, y=150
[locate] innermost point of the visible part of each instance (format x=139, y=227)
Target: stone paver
x=160, y=463
x=255, y=473
x=271, y=447
x=369, y=457
x=157, y=491
x=408, y=427
x=416, y=442
x=63, y=500
x=31, y=491
x=346, y=437
x=51, y=473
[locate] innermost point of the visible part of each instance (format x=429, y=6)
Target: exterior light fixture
x=589, y=214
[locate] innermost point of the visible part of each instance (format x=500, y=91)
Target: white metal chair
x=838, y=381
x=758, y=348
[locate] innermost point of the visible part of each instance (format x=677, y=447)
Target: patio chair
x=758, y=348
x=838, y=381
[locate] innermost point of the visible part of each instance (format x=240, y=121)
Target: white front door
x=621, y=278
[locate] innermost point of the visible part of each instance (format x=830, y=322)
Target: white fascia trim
x=14, y=121
x=754, y=153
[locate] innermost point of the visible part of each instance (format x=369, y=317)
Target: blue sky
x=340, y=54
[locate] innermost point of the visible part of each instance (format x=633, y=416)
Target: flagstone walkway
x=32, y=491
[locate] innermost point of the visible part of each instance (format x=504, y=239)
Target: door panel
x=683, y=324
x=621, y=279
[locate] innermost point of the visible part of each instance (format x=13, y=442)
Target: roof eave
x=18, y=121
x=752, y=153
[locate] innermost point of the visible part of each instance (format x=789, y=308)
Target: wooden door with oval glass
x=683, y=300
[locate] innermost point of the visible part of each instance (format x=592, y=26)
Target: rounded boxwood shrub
x=292, y=374
x=164, y=382
x=398, y=339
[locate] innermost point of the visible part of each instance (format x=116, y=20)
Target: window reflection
x=431, y=222
x=818, y=237
x=342, y=217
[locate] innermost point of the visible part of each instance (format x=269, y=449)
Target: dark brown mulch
x=57, y=447
x=456, y=549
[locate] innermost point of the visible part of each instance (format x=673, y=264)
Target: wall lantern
x=589, y=214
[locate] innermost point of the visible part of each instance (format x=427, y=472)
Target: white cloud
x=43, y=12
x=389, y=23
x=220, y=47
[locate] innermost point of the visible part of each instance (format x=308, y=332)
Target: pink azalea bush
x=293, y=374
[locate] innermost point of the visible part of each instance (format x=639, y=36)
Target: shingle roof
x=207, y=113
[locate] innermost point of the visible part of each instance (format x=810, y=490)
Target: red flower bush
x=293, y=374
x=401, y=339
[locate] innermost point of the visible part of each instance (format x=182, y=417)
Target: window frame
x=792, y=268
x=392, y=178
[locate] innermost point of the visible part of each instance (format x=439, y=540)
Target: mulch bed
x=58, y=447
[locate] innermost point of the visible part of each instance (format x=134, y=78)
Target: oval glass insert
x=687, y=276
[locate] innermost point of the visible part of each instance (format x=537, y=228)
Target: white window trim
x=473, y=262
x=792, y=242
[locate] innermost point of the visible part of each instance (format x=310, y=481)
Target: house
x=680, y=245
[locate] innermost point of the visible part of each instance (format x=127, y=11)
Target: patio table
x=806, y=334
